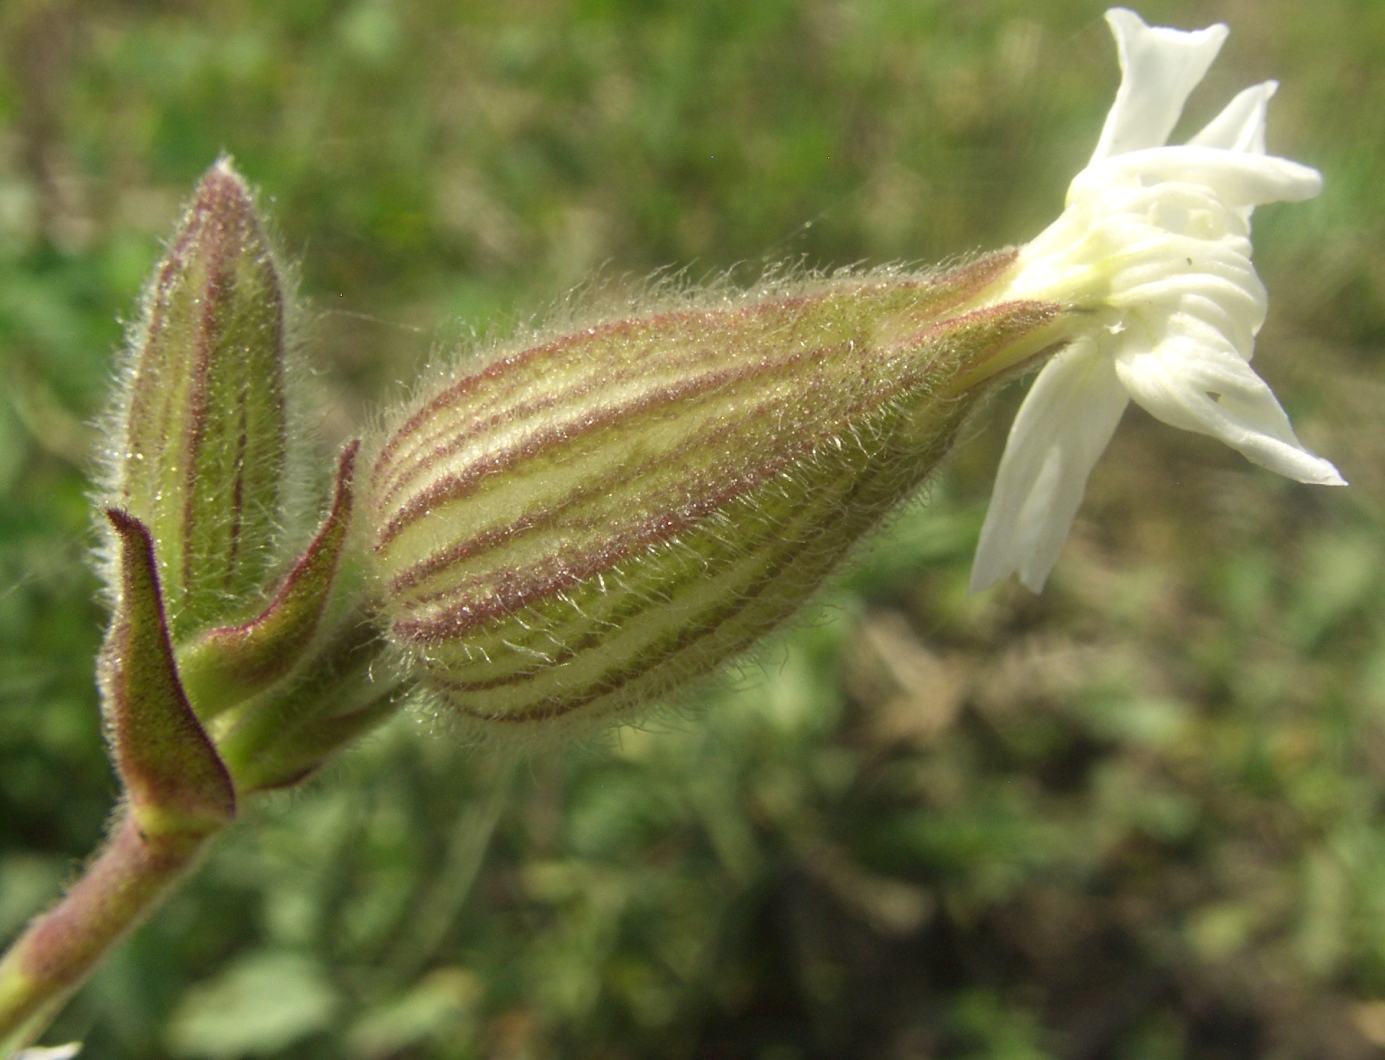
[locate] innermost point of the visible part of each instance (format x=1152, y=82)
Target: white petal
x=1159, y=70
x=1237, y=178
x=1210, y=287
x=1062, y=427
x=1241, y=124
x=1199, y=386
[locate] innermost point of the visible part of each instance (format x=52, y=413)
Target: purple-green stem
x=61, y=948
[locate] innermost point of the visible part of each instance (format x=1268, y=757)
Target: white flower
x=1154, y=248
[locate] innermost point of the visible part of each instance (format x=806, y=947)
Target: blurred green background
x=1139, y=816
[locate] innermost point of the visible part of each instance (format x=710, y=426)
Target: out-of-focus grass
x=1138, y=816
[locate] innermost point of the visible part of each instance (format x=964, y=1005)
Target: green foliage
x=1136, y=817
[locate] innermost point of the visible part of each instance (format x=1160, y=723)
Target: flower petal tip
x=1331, y=477
x=1159, y=69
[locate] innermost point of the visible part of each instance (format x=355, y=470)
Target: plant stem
x=62, y=947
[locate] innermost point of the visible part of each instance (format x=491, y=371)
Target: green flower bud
x=573, y=527
x=271, y=650
x=201, y=439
